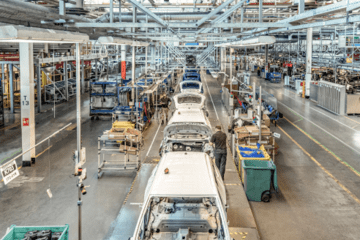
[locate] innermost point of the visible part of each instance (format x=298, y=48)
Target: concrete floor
x=318, y=167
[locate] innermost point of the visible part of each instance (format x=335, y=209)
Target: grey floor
x=318, y=167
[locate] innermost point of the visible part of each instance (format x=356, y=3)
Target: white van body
x=188, y=202
x=188, y=130
x=195, y=90
x=189, y=100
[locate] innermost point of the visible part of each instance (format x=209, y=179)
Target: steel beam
x=151, y=14
x=213, y=13
x=223, y=16
x=27, y=102
x=180, y=25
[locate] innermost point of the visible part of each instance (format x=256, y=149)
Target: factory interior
x=179, y=119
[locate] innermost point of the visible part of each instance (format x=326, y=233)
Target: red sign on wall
x=25, y=121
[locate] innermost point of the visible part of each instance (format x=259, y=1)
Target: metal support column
x=133, y=75
x=260, y=11
x=117, y=65
x=309, y=38
x=3, y=76
x=82, y=76
x=38, y=88
x=66, y=76
x=11, y=83
x=134, y=18
x=27, y=102
x=301, y=6
x=146, y=61
x=111, y=11
x=78, y=128
x=62, y=9
x=242, y=17
x=153, y=56
x=231, y=63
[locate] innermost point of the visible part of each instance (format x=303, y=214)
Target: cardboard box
x=234, y=87
x=266, y=120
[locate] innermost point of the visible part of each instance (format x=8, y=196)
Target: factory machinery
x=120, y=146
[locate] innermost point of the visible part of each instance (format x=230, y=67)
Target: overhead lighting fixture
x=12, y=33
x=262, y=40
x=121, y=41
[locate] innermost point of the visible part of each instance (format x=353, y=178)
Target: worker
x=165, y=103
x=219, y=140
x=258, y=71
x=290, y=67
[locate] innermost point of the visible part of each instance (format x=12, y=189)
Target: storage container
x=18, y=232
x=258, y=177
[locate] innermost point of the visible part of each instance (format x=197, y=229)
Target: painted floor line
x=325, y=148
x=352, y=148
x=321, y=166
x=43, y=151
x=153, y=141
x=316, y=110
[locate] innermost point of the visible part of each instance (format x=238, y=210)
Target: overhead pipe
x=162, y=15
x=17, y=5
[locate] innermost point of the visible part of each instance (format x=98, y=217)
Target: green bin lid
x=258, y=164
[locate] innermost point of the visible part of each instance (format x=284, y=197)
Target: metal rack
x=119, y=145
x=103, y=97
x=57, y=91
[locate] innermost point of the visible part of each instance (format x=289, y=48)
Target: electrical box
x=349, y=41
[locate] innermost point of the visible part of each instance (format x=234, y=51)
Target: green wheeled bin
x=258, y=178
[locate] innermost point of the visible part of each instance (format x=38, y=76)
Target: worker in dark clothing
x=219, y=139
x=165, y=104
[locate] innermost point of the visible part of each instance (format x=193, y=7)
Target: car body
x=189, y=100
x=188, y=130
x=191, y=86
x=185, y=198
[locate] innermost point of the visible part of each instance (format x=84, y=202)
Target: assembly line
x=179, y=119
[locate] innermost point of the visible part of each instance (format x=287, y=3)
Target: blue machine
x=192, y=76
x=273, y=77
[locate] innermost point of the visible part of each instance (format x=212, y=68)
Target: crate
x=266, y=157
x=18, y=232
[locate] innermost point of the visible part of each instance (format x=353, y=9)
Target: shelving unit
x=119, y=150
x=103, y=98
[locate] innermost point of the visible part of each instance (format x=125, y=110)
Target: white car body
x=189, y=100
x=188, y=202
x=185, y=90
x=188, y=130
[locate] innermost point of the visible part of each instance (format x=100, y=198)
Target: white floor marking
x=324, y=130
x=309, y=106
x=153, y=141
x=211, y=98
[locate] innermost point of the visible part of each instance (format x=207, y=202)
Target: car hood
x=184, y=128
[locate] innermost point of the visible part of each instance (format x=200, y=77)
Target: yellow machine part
x=123, y=124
